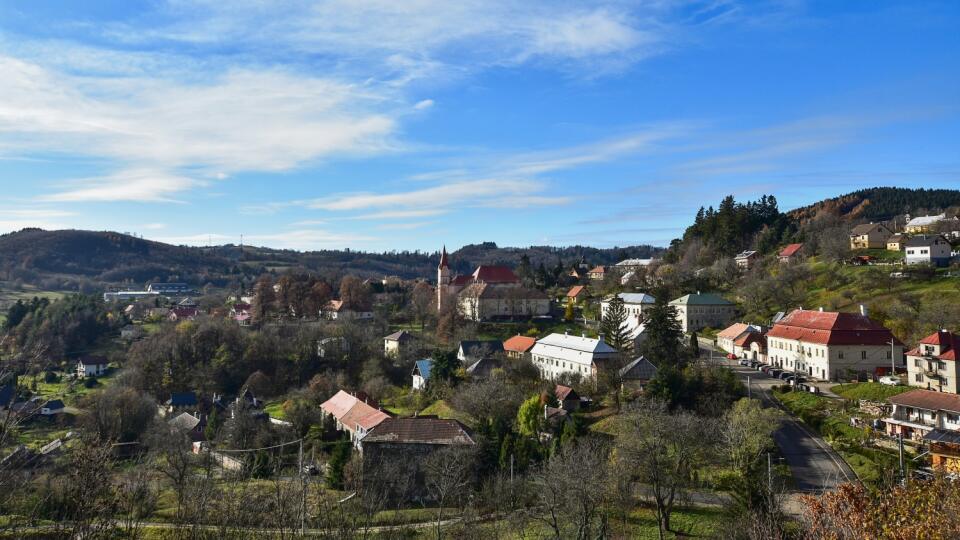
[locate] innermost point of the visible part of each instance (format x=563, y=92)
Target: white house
x=634, y=303
x=557, y=354
x=396, y=343
x=335, y=310
x=928, y=249
x=91, y=366
x=829, y=345
x=919, y=412
x=935, y=363
x=728, y=336
x=421, y=373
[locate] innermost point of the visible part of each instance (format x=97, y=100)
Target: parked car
x=775, y=372
x=784, y=374
x=731, y=356
x=890, y=380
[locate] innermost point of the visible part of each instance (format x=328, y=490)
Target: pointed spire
x=443, y=257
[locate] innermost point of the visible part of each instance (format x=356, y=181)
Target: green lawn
x=66, y=389
x=869, y=390
x=443, y=410
x=275, y=410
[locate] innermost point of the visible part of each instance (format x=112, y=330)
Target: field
x=10, y=293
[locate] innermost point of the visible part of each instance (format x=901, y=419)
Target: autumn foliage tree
x=920, y=509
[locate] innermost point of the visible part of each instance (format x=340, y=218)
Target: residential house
x=727, y=336
x=332, y=346
x=829, y=345
x=919, y=412
x=597, y=273
x=870, y=236
x=944, y=449
x=482, y=368
x=182, y=313
x=353, y=414
x=131, y=332
x=631, y=265
x=421, y=373
x=181, y=401
x=336, y=310
x=635, y=304
x=934, y=364
x=567, y=398
x=746, y=259
x=399, y=448
x=518, y=347
x=491, y=292
x=52, y=407
x=928, y=249
x=751, y=345
x=192, y=425
x=90, y=365
x=397, y=343
x=242, y=313
x=790, y=252
x=924, y=224
x=897, y=242
x=470, y=351
x=638, y=373
x=703, y=310
x=577, y=293
x=559, y=354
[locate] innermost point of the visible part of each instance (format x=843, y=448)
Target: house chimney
x=863, y=310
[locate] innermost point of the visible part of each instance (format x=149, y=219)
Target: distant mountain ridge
x=71, y=259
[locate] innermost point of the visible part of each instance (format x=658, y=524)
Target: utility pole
x=893, y=359
x=303, y=492
x=903, y=476
x=769, y=473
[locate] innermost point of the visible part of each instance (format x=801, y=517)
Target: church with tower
x=490, y=292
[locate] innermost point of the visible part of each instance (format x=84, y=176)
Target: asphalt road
x=815, y=467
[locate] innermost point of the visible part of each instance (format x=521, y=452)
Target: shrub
x=90, y=382
x=51, y=377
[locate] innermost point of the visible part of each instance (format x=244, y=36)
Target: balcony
x=932, y=374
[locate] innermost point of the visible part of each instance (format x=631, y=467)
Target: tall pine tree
x=613, y=325
x=663, y=343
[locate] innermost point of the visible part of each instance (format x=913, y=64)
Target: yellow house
x=869, y=236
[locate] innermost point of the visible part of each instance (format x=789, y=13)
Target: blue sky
x=388, y=125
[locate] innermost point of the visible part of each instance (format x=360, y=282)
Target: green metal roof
x=701, y=299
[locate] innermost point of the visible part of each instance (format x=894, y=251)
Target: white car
x=890, y=380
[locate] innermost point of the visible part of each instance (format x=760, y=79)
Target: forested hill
x=882, y=203
x=90, y=260
x=734, y=226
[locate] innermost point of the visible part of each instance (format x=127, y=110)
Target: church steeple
x=443, y=258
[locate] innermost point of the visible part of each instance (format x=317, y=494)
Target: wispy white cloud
x=423, y=104
x=136, y=185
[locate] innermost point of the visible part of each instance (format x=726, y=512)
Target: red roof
x=947, y=341
x=575, y=291
x=790, y=250
x=351, y=411
x=339, y=404
x=751, y=337
x=495, y=274
x=734, y=330
x=831, y=328
x=461, y=280
x=928, y=399
x=563, y=392
x=598, y=270
x=520, y=344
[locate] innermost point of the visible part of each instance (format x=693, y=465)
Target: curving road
x=814, y=465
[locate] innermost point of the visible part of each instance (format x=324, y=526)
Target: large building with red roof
x=353, y=415
x=933, y=363
x=489, y=292
x=829, y=345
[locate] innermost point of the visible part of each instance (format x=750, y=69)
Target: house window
x=918, y=377
x=840, y=355
x=889, y=355
x=863, y=355
x=916, y=362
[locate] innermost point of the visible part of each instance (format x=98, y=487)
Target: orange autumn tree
x=922, y=509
